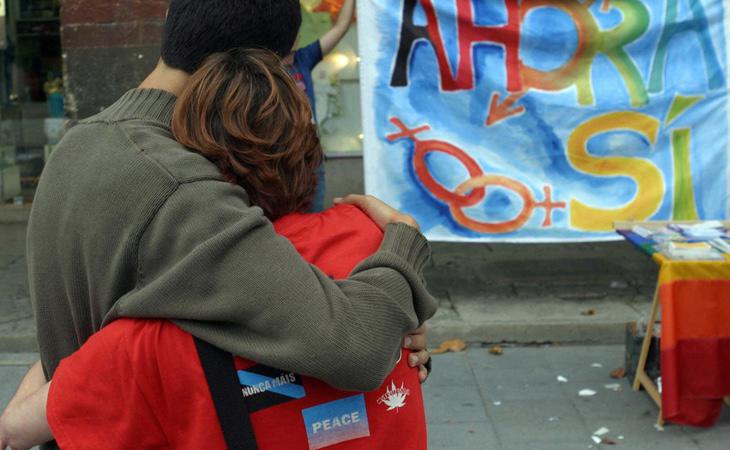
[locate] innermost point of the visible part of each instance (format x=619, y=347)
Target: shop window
x=31, y=93
x=336, y=84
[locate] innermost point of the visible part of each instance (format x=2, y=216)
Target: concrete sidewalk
x=515, y=402
x=17, y=328
x=569, y=293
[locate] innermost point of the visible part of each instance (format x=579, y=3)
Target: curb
x=14, y=214
x=18, y=344
x=608, y=333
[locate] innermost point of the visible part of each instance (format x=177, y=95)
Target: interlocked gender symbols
x=472, y=191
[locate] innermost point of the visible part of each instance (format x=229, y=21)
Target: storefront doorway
x=31, y=93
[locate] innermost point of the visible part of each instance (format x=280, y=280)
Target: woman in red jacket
x=140, y=383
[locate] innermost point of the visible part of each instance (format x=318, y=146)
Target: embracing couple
x=168, y=234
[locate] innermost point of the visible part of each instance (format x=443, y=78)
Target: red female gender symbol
x=423, y=148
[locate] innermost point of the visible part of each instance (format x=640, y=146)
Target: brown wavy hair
x=243, y=111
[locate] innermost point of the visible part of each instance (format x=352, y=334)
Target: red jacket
x=139, y=383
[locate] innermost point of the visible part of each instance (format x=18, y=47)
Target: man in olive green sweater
x=128, y=223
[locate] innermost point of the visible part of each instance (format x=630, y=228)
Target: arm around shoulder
x=216, y=266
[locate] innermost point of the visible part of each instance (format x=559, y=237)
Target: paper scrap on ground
x=601, y=431
x=613, y=387
x=562, y=379
x=597, y=365
x=587, y=393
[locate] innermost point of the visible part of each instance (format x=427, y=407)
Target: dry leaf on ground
x=607, y=441
x=588, y=312
x=618, y=373
x=453, y=345
x=497, y=350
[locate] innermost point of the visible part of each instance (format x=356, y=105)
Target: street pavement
x=475, y=400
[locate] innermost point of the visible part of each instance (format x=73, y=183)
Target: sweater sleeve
x=216, y=266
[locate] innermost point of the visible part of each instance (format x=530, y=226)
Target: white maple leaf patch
x=394, y=397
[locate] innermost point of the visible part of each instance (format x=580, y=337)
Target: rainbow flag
x=695, y=341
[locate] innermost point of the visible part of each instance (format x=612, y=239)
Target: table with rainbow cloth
x=694, y=297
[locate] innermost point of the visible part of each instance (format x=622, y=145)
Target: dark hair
x=243, y=111
x=196, y=29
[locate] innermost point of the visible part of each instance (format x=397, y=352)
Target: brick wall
x=109, y=46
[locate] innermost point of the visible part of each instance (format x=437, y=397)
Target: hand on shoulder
x=381, y=213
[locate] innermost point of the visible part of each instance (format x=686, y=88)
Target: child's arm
x=23, y=424
x=31, y=382
x=330, y=40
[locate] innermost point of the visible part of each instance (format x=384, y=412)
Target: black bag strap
x=220, y=372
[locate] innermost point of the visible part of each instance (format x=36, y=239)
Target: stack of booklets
x=695, y=251
x=659, y=235
x=701, y=241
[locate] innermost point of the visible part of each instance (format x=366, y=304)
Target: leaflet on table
x=702, y=231
x=708, y=224
x=663, y=234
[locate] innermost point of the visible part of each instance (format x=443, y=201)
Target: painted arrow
x=501, y=111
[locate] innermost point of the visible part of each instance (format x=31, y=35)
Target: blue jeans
x=318, y=200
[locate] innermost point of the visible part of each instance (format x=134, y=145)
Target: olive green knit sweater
x=128, y=223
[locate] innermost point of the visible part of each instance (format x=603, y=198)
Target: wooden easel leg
x=647, y=340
